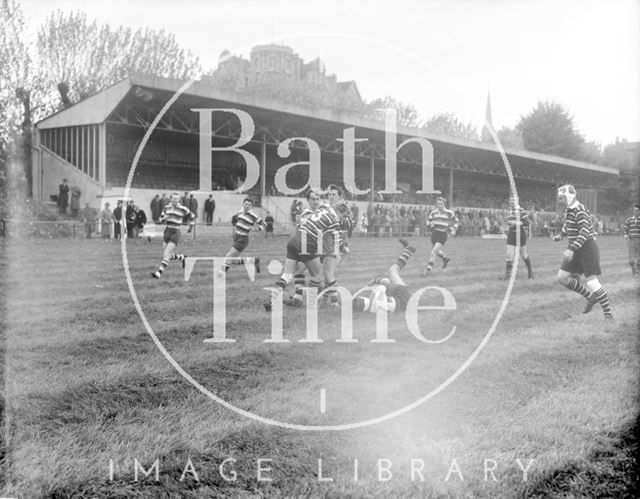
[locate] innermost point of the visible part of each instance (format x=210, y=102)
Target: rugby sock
x=429, y=266
x=508, y=269
x=601, y=296
x=574, y=285
x=163, y=266
x=298, y=280
x=174, y=256
x=404, y=256
x=284, y=280
x=332, y=293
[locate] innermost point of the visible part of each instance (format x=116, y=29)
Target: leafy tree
x=510, y=137
x=82, y=57
x=591, y=152
x=449, y=124
x=549, y=129
x=619, y=193
x=407, y=113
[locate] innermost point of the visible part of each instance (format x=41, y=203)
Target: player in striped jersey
x=313, y=203
x=337, y=239
x=442, y=222
x=172, y=216
x=631, y=229
x=517, y=220
x=243, y=222
x=582, y=256
x=307, y=245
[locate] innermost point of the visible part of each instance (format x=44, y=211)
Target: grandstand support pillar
x=372, y=165
x=450, y=187
x=263, y=163
x=102, y=153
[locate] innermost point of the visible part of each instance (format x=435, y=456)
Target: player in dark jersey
x=442, y=222
x=582, y=257
x=306, y=245
x=243, y=222
x=172, y=215
x=631, y=229
x=517, y=221
x=388, y=293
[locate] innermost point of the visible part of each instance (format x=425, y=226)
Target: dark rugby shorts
x=171, y=235
x=511, y=238
x=585, y=261
x=438, y=236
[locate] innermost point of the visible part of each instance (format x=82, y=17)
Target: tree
x=549, y=129
x=82, y=57
x=620, y=192
x=407, y=113
x=511, y=138
x=449, y=124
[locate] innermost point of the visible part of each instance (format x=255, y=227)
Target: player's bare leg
x=313, y=266
x=511, y=250
x=329, y=264
x=435, y=251
x=233, y=258
x=299, y=282
x=527, y=261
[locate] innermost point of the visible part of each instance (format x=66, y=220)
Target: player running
x=388, y=293
x=442, y=222
x=307, y=245
x=582, y=256
x=243, y=222
x=631, y=229
x=172, y=215
x=517, y=220
x=338, y=239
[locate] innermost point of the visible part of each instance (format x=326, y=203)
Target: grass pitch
x=88, y=394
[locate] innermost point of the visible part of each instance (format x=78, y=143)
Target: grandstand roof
x=155, y=91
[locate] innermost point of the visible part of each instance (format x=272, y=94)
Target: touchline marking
x=323, y=400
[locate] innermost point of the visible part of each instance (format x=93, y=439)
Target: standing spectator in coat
x=185, y=199
x=106, y=219
x=164, y=201
x=89, y=217
x=63, y=196
x=209, y=209
x=269, y=221
x=130, y=218
x=193, y=206
x=156, y=209
x=74, y=204
x=139, y=220
x=117, y=220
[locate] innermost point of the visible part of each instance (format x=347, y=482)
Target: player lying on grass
x=582, y=257
x=307, y=245
x=388, y=293
x=172, y=215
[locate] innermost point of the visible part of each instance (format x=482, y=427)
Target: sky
x=441, y=56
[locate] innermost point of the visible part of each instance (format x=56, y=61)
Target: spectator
x=117, y=220
x=106, y=218
x=164, y=201
x=130, y=218
x=156, y=208
x=74, y=204
x=193, y=206
x=63, y=196
x=185, y=200
x=209, y=209
x=268, y=220
x=140, y=220
x=89, y=217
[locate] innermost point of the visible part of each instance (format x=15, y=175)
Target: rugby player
x=172, y=216
x=517, y=220
x=631, y=229
x=582, y=257
x=243, y=222
x=442, y=222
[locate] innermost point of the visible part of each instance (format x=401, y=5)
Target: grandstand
x=93, y=143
